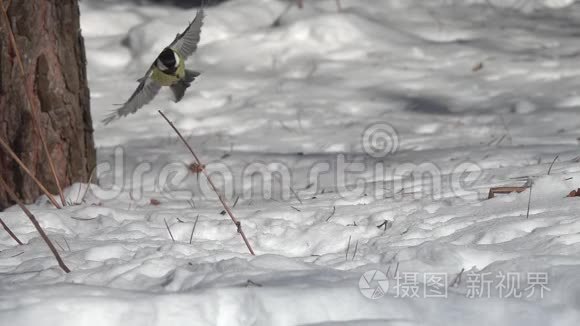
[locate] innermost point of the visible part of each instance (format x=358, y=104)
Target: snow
x=453, y=97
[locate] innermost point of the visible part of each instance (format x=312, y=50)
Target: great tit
x=167, y=70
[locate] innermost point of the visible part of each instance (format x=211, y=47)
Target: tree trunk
x=48, y=37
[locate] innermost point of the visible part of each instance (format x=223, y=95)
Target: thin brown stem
x=331, y=214
x=214, y=188
x=35, y=110
x=551, y=165
x=169, y=230
x=529, y=202
x=28, y=172
x=12, y=235
x=37, y=226
x=347, y=248
x=193, y=229
x=88, y=186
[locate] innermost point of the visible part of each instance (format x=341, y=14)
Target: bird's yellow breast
x=166, y=79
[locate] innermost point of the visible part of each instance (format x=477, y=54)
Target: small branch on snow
x=355, y=249
x=251, y=283
x=37, y=226
x=10, y=233
x=551, y=165
x=529, y=202
x=331, y=214
x=457, y=281
x=193, y=229
x=295, y=195
x=384, y=225
x=66, y=242
x=214, y=188
x=348, y=247
x=504, y=190
x=27, y=171
x=169, y=230
x=191, y=203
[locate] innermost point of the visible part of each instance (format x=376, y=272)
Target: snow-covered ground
x=392, y=113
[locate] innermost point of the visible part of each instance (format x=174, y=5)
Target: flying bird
x=168, y=70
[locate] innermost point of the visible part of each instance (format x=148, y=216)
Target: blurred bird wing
x=186, y=43
x=144, y=93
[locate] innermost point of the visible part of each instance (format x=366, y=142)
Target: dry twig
x=529, y=202
x=29, y=173
x=355, y=250
x=220, y=197
x=504, y=190
x=551, y=165
x=347, y=247
x=331, y=214
x=12, y=235
x=457, y=281
x=37, y=226
x=193, y=229
x=169, y=230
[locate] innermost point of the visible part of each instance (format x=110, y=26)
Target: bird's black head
x=167, y=59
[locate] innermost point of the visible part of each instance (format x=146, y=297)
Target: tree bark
x=48, y=37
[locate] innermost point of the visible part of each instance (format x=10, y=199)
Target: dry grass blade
x=214, y=188
x=355, y=250
x=551, y=165
x=331, y=214
x=296, y=195
x=193, y=229
x=529, y=202
x=37, y=226
x=12, y=235
x=347, y=247
x=457, y=281
x=27, y=171
x=169, y=230
x=82, y=199
x=35, y=110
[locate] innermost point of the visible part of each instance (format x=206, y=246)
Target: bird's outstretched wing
x=186, y=43
x=144, y=93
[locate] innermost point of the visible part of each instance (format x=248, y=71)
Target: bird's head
x=167, y=61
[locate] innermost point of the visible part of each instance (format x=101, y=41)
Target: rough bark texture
x=51, y=46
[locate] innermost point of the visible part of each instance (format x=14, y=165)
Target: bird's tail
x=190, y=75
x=179, y=88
